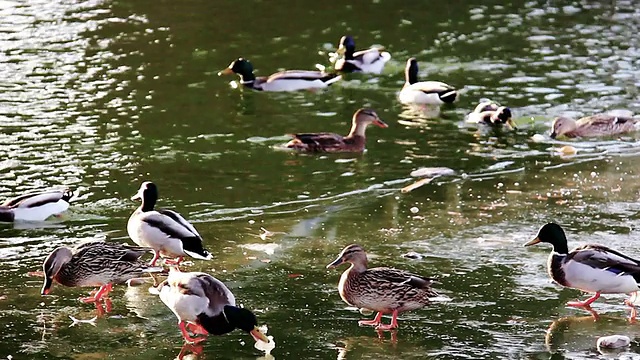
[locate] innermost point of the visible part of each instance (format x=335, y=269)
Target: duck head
x=241, y=67
x=244, y=320
x=411, y=71
x=52, y=265
x=148, y=193
x=362, y=118
x=562, y=125
x=553, y=234
x=347, y=47
x=353, y=254
x=503, y=116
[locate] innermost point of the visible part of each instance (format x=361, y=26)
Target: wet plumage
x=164, y=231
x=382, y=289
x=330, y=142
x=290, y=80
x=366, y=61
x=592, y=126
x=94, y=263
x=591, y=268
x=424, y=92
x=35, y=206
x=204, y=305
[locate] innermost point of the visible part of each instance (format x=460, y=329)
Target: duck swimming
x=329, y=142
x=35, y=206
x=204, y=305
x=493, y=115
x=424, y=92
x=591, y=268
x=382, y=289
x=164, y=231
x=365, y=61
x=290, y=80
x=95, y=263
x=592, y=126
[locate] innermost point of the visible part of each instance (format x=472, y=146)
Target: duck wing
x=317, y=141
x=307, y=75
x=604, y=258
x=605, y=121
x=113, y=251
x=216, y=291
x=400, y=277
x=368, y=56
x=36, y=199
x=431, y=87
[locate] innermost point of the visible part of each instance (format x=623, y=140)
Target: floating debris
x=265, y=346
x=91, y=321
x=613, y=342
x=412, y=255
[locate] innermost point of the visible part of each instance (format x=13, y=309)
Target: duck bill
x=137, y=196
x=511, y=124
x=532, y=242
x=335, y=263
x=226, y=71
x=258, y=335
x=553, y=135
x=341, y=50
x=380, y=123
x=46, y=288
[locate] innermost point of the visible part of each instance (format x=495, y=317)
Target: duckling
x=329, y=142
x=365, y=61
x=424, y=92
x=290, y=80
x=491, y=114
x=204, y=305
x=164, y=231
x=95, y=263
x=35, y=206
x=591, y=268
x=381, y=289
x=594, y=125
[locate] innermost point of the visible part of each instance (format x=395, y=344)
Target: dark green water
x=101, y=96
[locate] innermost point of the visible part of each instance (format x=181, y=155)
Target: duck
x=591, y=268
x=424, y=92
x=382, y=289
x=493, y=115
x=366, y=61
x=205, y=305
x=94, y=263
x=593, y=126
x=330, y=142
x=165, y=231
x=36, y=206
x=289, y=80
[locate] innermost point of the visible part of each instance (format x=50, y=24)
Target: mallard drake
x=424, y=92
x=492, y=114
x=35, y=206
x=204, y=305
x=329, y=142
x=590, y=268
x=290, y=80
x=95, y=263
x=164, y=231
x=366, y=61
x=594, y=125
x=381, y=289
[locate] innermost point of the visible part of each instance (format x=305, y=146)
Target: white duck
x=35, y=206
x=164, y=231
x=424, y=92
x=204, y=305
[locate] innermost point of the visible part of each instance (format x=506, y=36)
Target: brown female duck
x=594, y=125
x=329, y=142
x=381, y=289
x=95, y=263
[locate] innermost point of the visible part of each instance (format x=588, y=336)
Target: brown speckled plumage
x=382, y=289
x=592, y=126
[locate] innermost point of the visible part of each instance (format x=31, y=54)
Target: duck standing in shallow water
x=204, y=305
x=591, y=268
x=592, y=126
x=424, y=92
x=493, y=115
x=382, y=289
x=290, y=80
x=366, y=61
x=95, y=263
x=164, y=231
x=330, y=142
x=35, y=206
